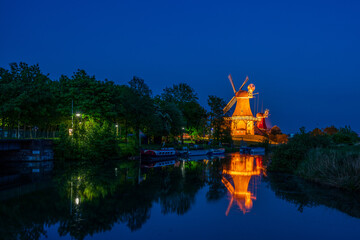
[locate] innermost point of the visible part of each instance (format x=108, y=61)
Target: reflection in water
x=240, y=171
x=83, y=200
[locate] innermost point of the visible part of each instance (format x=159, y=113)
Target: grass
x=338, y=167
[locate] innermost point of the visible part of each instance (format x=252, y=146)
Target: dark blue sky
x=303, y=56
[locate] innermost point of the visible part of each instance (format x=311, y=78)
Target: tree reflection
x=305, y=194
x=217, y=190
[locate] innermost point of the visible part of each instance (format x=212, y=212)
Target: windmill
x=262, y=124
x=242, y=120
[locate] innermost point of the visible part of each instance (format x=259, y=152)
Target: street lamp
x=182, y=135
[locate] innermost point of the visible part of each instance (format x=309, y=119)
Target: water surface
x=217, y=198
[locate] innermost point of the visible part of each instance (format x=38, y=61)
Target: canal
x=231, y=196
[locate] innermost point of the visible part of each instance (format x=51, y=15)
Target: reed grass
x=333, y=167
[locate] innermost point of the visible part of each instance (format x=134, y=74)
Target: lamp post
x=72, y=114
x=182, y=135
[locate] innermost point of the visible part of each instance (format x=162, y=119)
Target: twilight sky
x=303, y=56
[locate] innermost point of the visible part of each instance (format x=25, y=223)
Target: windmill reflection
x=241, y=177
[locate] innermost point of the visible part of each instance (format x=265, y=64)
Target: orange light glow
x=240, y=171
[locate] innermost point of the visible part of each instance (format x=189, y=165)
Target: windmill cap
x=259, y=115
x=242, y=94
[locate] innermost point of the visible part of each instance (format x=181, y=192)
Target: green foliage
x=31, y=102
x=321, y=157
x=345, y=136
x=221, y=131
x=333, y=167
x=287, y=157
x=193, y=116
x=90, y=141
x=180, y=93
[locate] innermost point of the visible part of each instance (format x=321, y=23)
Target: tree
x=185, y=98
x=179, y=94
x=345, y=136
x=275, y=130
x=220, y=130
x=316, y=132
x=139, y=105
x=331, y=130
x=26, y=97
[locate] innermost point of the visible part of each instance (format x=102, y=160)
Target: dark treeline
x=32, y=105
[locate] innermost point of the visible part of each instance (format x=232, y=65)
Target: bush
x=90, y=141
x=345, y=136
x=287, y=157
x=333, y=167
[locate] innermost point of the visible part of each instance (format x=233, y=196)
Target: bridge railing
x=33, y=134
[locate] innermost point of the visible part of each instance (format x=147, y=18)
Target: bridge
x=25, y=156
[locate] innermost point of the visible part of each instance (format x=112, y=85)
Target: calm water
x=224, y=197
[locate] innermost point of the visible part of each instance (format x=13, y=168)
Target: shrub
x=333, y=167
x=345, y=136
x=90, y=141
x=287, y=157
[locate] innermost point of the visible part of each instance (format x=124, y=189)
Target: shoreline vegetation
x=91, y=119
x=330, y=157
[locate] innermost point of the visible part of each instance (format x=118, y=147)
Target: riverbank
x=338, y=167
x=331, y=160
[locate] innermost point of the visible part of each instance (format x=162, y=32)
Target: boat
x=257, y=151
x=160, y=164
x=201, y=152
x=194, y=152
x=252, y=150
x=158, y=154
x=195, y=158
x=217, y=151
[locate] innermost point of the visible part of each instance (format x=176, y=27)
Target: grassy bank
x=339, y=167
x=328, y=159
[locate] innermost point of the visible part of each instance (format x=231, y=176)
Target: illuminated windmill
x=262, y=124
x=242, y=120
x=241, y=170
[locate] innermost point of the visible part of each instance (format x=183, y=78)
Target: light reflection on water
x=241, y=177
x=210, y=197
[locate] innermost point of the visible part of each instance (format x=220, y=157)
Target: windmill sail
x=246, y=79
x=232, y=83
x=230, y=104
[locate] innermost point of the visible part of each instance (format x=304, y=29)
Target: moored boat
x=160, y=164
x=198, y=152
x=158, y=155
x=252, y=150
x=194, y=152
x=217, y=151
